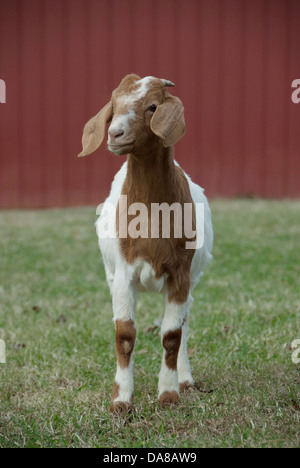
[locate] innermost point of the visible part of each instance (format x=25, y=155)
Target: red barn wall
x=233, y=63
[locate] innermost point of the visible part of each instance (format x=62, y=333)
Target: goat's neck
x=151, y=177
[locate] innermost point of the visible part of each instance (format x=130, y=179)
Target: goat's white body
x=140, y=274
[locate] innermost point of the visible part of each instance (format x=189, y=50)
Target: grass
x=56, y=320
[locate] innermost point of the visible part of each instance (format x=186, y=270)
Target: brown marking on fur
x=171, y=344
x=185, y=385
x=169, y=398
x=125, y=339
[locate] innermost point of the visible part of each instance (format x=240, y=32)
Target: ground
x=56, y=321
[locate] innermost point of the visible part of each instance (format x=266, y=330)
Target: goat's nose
x=115, y=132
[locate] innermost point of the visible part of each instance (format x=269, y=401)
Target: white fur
x=174, y=315
x=143, y=87
x=121, y=122
x=168, y=378
x=183, y=365
x=124, y=378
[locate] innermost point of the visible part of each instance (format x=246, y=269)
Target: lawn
x=56, y=321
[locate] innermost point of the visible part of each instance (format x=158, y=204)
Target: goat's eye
x=152, y=108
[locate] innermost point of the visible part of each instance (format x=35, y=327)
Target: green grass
x=56, y=320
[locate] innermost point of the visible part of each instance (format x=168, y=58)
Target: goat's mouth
x=120, y=148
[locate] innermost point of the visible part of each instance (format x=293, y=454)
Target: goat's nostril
x=115, y=133
x=119, y=134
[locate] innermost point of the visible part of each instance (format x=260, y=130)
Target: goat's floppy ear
x=94, y=130
x=168, y=121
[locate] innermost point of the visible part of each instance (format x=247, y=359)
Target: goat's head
x=141, y=113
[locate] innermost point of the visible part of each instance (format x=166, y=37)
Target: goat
x=145, y=123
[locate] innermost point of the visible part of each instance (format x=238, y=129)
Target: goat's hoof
x=121, y=407
x=169, y=398
x=186, y=385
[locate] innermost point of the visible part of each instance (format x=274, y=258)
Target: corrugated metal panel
x=233, y=63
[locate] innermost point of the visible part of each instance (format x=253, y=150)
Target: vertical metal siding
x=233, y=63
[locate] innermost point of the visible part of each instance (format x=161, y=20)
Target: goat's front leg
x=124, y=301
x=171, y=334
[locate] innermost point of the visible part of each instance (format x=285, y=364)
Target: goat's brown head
x=141, y=114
